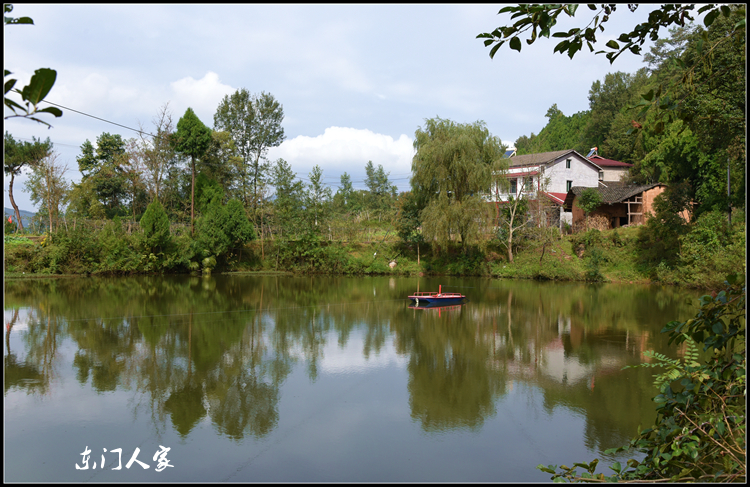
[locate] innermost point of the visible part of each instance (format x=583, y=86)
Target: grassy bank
x=620, y=255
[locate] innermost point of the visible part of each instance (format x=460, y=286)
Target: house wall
x=520, y=171
x=648, y=202
x=581, y=172
x=614, y=173
x=615, y=211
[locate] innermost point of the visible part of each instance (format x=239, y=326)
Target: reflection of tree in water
x=37, y=371
x=20, y=374
x=450, y=383
x=185, y=407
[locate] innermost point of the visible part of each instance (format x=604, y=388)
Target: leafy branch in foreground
x=700, y=432
x=540, y=18
x=32, y=94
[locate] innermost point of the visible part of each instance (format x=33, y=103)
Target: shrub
x=155, y=226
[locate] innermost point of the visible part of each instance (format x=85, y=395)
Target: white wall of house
x=557, y=175
x=580, y=173
x=520, y=174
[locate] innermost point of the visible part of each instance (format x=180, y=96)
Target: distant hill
x=26, y=216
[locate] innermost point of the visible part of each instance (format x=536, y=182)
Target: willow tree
x=453, y=170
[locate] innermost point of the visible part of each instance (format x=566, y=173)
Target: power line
x=204, y=163
x=103, y=120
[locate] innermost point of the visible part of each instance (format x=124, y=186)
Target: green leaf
x=494, y=49
x=53, y=110
x=9, y=85
x=515, y=44
x=710, y=17
x=616, y=467
x=613, y=44
x=39, y=86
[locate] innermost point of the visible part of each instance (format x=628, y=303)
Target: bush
x=155, y=226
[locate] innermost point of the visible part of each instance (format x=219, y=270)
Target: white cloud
x=202, y=95
x=343, y=149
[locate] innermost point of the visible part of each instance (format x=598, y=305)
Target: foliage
x=38, y=88
x=381, y=192
x=408, y=222
x=117, y=250
x=16, y=156
x=659, y=238
x=102, y=168
x=48, y=188
x=452, y=170
x=155, y=226
x=192, y=137
x=192, y=140
x=254, y=123
x=590, y=200
x=317, y=199
x=212, y=236
x=700, y=431
x=560, y=133
x=540, y=18
x=288, y=199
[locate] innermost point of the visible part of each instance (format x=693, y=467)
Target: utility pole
x=729, y=201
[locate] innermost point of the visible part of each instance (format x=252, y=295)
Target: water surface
x=319, y=379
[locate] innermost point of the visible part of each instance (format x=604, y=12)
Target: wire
x=405, y=178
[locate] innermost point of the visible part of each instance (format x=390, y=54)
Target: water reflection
x=221, y=348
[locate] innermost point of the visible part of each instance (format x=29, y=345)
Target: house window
x=568, y=186
x=527, y=184
x=514, y=186
x=567, y=164
x=601, y=175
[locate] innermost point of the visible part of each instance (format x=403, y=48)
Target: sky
x=355, y=81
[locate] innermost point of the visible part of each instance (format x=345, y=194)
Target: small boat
x=439, y=298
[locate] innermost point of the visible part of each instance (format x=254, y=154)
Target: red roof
x=600, y=161
x=558, y=198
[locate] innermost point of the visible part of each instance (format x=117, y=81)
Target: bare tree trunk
x=19, y=227
x=192, y=199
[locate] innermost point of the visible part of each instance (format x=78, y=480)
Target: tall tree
x=192, y=139
x=47, y=187
x=102, y=168
x=342, y=200
x=318, y=198
x=254, y=121
x=453, y=169
x=288, y=198
x=382, y=192
x=18, y=155
x=158, y=151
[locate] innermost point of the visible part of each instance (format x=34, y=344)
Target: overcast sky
x=355, y=81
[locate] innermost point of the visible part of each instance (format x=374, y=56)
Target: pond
x=293, y=379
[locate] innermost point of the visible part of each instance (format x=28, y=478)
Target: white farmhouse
x=548, y=174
